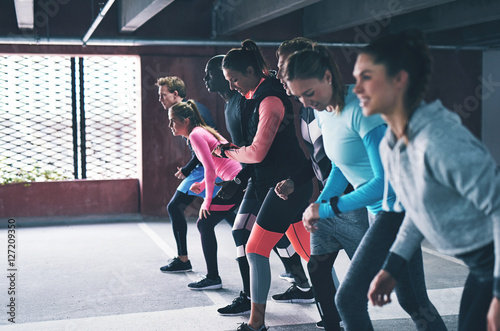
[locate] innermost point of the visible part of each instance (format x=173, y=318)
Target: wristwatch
x=237, y=180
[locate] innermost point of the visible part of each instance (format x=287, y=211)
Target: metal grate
x=111, y=103
x=38, y=126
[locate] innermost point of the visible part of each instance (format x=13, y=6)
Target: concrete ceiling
x=454, y=23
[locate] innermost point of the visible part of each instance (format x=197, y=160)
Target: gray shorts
x=344, y=231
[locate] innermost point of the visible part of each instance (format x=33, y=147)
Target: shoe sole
x=295, y=301
x=174, y=271
x=236, y=314
x=212, y=287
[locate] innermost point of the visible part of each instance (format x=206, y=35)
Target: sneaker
x=321, y=325
x=206, y=284
x=240, y=306
x=295, y=295
x=246, y=327
x=176, y=265
x=288, y=276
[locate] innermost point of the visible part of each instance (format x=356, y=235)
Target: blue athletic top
x=351, y=142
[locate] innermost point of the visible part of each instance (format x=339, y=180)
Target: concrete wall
x=491, y=102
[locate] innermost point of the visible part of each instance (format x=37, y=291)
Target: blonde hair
x=188, y=110
x=173, y=83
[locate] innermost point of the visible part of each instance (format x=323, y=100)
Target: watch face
x=237, y=180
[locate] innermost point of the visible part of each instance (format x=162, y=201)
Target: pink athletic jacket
x=203, y=142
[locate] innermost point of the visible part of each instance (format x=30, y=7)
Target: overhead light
x=25, y=14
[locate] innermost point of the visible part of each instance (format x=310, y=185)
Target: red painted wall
x=70, y=198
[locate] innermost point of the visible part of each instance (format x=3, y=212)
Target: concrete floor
x=106, y=277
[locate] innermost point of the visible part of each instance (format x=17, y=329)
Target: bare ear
x=328, y=76
x=401, y=79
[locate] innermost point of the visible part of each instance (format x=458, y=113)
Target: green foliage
x=9, y=174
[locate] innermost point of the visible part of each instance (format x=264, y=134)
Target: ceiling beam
x=134, y=13
x=450, y=16
x=25, y=14
x=233, y=16
x=331, y=16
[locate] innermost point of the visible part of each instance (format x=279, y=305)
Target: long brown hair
x=406, y=51
x=313, y=63
x=188, y=110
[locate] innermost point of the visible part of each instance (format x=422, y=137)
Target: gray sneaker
x=206, y=284
x=246, y=327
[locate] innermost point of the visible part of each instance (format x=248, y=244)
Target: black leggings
x=206, y=227
x=320, y=270
x=244, y=222
x=176, y=208
x=478, y=289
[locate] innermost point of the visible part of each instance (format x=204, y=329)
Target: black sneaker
x=206, y=284
x=176, y=265
x=288, y=276
x=240, y=306
x=321, y=325
x=246, y=327
x=295, y=295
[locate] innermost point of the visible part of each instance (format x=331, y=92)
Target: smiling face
x=313, y=92
x=178, y=126
x=377, y=92
x=281, y=62
x=241, y=82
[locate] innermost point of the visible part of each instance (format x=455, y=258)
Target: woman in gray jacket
x=443, y=176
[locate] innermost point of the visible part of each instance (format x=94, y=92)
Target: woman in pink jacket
x=185, y=120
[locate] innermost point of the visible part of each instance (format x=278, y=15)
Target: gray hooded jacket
x=447, y=182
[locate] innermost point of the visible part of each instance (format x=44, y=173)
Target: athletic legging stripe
x=273, y=220
x=305, y=250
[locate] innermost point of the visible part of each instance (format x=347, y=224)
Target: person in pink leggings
x=185, y=120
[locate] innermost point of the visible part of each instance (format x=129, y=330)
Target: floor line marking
x=443, y=256
x=216, y=298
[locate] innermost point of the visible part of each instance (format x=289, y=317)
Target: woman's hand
x=310, y=217
x=217, y=151
x=284, y=188
x=381, y=287
x=179, y=173
x=493, y=316
x=196, y=188
x=204, y=213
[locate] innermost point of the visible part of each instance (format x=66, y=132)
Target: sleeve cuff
x=496, y=287
x=325, y=210
x=394, y=264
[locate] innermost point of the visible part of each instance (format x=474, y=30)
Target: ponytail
x=188, y=110
x=248, y=55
